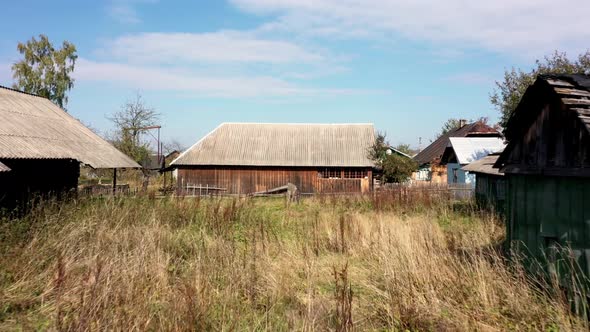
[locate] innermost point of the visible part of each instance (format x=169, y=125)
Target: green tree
x=450, y=125
x=44, y=70
x=510, y=90
x=397, y=168
x=405, y=148
x=393, y=167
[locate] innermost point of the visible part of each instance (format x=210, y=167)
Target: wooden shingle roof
x=32, y=127
x=280, y=144
x=570, y=90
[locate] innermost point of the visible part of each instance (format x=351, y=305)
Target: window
x=330, y=173
x=347, y=173
x=354, y=174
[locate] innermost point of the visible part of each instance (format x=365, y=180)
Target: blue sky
x=404, y=65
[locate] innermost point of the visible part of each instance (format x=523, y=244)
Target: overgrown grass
x=256, y=264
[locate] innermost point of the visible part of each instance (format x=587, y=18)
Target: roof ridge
x=302, y=123
x=23, y=92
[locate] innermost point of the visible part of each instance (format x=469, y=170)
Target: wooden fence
x=106, y=190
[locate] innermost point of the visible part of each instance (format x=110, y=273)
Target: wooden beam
x=572, y=92
x=114, y=181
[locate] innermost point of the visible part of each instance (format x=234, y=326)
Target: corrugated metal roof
x=275, y=144
x=469, y=149
x=33, y=127
x=436, y=149
x=484, y=165
x=4, y=168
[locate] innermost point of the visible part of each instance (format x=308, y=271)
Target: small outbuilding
x=490, y=186
x=42, y=147
x=249, y=158
x=547, y=168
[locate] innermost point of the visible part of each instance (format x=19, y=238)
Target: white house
x=464, y=150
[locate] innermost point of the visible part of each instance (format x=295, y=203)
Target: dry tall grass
x=323, y=264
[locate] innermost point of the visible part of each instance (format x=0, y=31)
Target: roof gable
x=436, y=149
x=550, y=127
x=275, y=144
x=32, y=127
x=469, y=149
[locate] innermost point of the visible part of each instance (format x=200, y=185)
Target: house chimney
x=462, y=123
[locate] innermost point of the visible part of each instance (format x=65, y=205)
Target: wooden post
x=114, y=181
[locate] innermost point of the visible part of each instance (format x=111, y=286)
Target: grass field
x=257, y=264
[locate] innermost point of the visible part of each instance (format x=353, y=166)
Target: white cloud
x=523, y=27
x=221, y=46
x=184, y=80
x=124, y=11
x=181, y=80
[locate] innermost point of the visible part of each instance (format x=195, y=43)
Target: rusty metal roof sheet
x=484, y=165
x=33, y=127
x=4, y=168
x=436, y=149
x=275, y=144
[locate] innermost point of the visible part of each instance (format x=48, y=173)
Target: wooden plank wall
x=246, y=180
x=36, y=178
x=543, y=209
x=557, y=140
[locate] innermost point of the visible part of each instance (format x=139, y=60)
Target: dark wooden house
x=41, y=148
x=490, y=185
x=547, y=168
x=430, y=168
x=246, y=158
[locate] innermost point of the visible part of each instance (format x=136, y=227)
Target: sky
x=404, y=65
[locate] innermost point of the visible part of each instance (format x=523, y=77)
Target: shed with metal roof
x=42, y=146
x=245, y=158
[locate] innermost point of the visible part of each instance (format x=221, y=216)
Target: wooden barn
x=246, y=158
x=490, y=185
x=547, y=168
x=41, y=148
x=430, y=168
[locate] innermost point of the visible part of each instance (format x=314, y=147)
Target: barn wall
x=547, y=210
x=246, y=180
x=490, y=192
x=431, y=174
x=32, y=178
